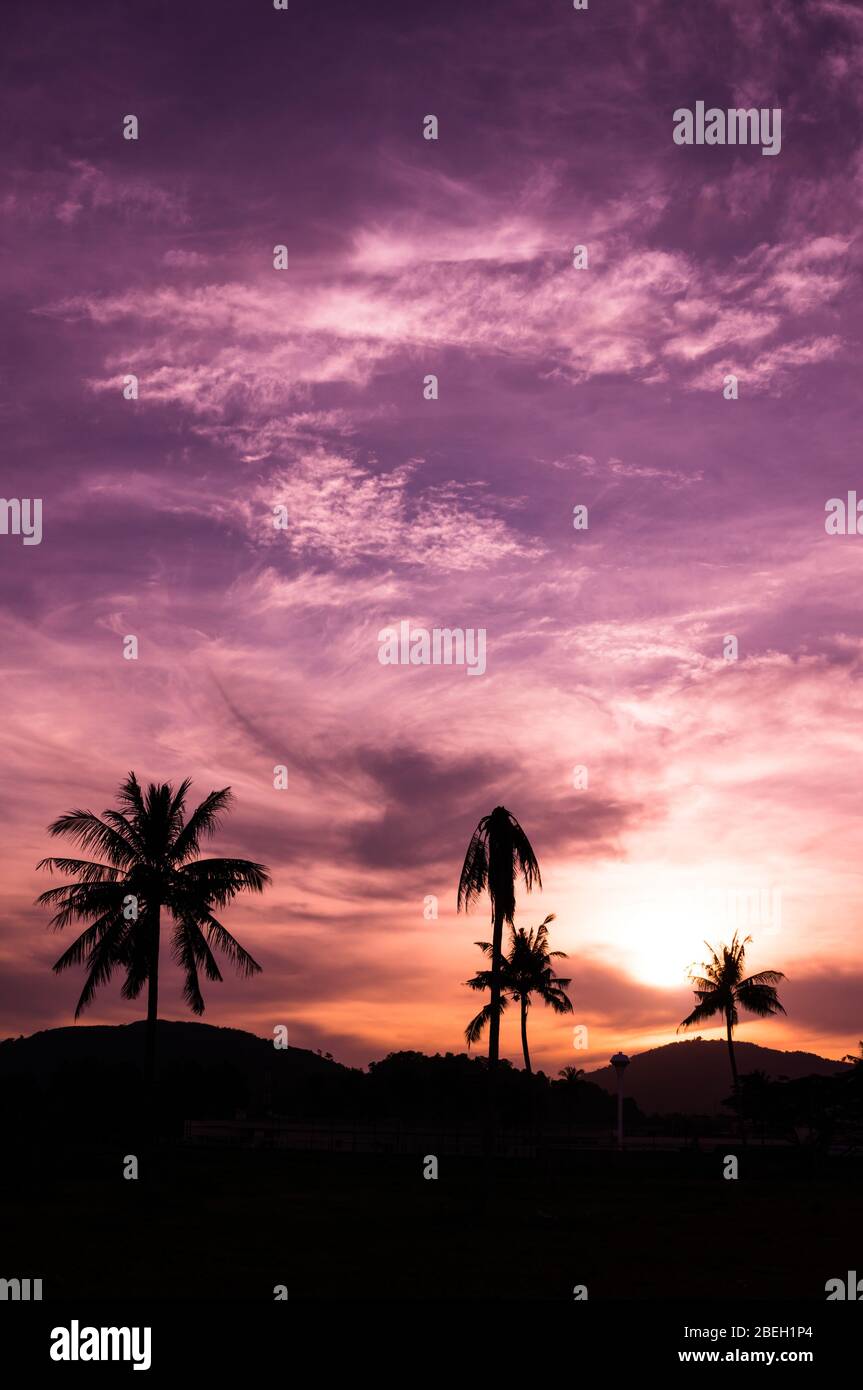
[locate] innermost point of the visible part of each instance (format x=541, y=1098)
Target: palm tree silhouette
x=151, y=850
x=723, y=990
x=571, y=1074
x=525, y=971
x=499, y=851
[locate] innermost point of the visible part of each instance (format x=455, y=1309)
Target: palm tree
x=499, y=851
x=723, y=990
x=571, y=1074
x=525, y=971
x=150, y=849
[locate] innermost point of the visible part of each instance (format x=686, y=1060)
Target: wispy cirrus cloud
x=81, y=189
x=242, y=349
x=344, y=513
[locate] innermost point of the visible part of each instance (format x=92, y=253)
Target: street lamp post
x=620, y=1062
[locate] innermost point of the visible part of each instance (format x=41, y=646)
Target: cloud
x=236, y=351
x=344, y=513
x=619, y=470
x=770, y=369
x=81, y=190
x=825, y=1000
x=184, y=260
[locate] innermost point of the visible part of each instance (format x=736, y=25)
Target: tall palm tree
x=499, y=851
x=723, y=990
x=526, y=970
x=148, y=860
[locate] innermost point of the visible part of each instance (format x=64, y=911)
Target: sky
x=707, y=778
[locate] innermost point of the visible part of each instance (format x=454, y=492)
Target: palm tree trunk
x=524, y=1046
x=490, y=1128
x=494, y=1021
x=734, y=1076
x=152, y=1020
x=731, y=1052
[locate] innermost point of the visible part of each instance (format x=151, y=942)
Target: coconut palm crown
x=526, y=970
x=724, y=990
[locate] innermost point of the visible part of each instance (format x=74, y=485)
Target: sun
x=660, y=934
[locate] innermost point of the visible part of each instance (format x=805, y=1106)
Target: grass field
x=233, y=1224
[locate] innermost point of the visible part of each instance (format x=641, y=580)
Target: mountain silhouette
x=92, y=1081
x=197, y=1043
x=693, y=1077
x=209, y=1071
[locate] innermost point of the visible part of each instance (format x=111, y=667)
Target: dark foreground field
x=233, y=1224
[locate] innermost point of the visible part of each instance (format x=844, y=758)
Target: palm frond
x=761, y=1000
x=473, y=879
x=130, y=796
x=92, y=833
x=84, y=944
x=78, y=902
x=481, y=982
x=220, y=880
x=475, y=1029
x=707, y=1008
x=219, y=936
x=191, y=950
x=88, y=870
x=202, y=823
x=103, y=959
x=764, y=977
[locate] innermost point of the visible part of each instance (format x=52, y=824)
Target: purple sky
x=558, y=386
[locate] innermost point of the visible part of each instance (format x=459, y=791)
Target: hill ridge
x=693, y=1075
